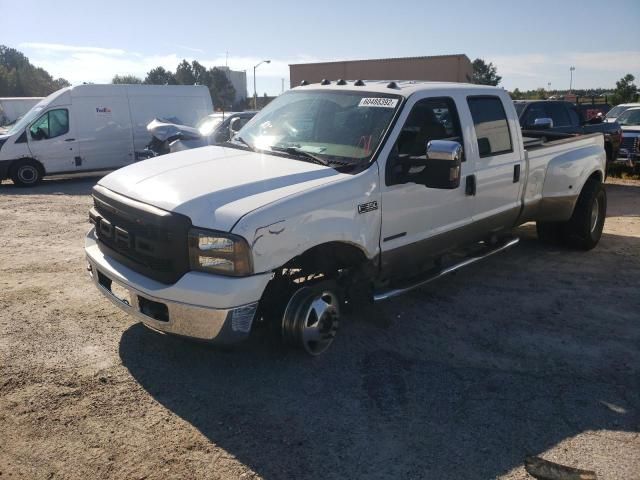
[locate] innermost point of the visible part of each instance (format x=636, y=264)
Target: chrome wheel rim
x=595, y=214
x=311, y=320
x=28, y=174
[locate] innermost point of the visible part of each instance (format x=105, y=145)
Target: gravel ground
x=534, y=351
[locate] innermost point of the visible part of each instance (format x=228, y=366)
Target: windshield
x=29, y=117
x=335, y=126
x=616, y=111
x=630, y=117
x=207, y=125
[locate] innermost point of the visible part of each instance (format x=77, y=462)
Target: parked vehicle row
x=167, y=137
x=559, y=117
x=92, y=128
x=629, y=120
x=335, y=195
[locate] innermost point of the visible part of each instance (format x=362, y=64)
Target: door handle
x=470, y=187
x=69, y=139
x=516, y=173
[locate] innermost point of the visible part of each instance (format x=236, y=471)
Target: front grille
x=630, y=144
x=148, y=240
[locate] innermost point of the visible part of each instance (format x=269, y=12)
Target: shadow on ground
x=508, y=358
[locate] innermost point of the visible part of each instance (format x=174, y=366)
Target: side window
x=50, y=125
x=557, y=112
x=574, y=117
x=430, y=119
x=491, y=125
x=535, y=110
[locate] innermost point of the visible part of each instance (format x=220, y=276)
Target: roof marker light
x=392, y=85
x=341, y=82
x=304, y=83
x=325, y=82
x=359, y=83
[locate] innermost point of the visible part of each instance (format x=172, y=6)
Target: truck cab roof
x=404, y=88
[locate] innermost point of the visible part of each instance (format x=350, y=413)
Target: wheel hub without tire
x=311, y=319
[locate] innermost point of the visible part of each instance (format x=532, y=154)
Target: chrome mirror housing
x=444, y=150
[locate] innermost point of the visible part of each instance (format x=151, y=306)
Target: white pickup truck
x=336, y=193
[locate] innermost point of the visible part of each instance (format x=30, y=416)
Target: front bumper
x=202, y=306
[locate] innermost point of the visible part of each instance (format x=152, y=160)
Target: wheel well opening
x=17, y=162
x=328, y=257
x=597, y=176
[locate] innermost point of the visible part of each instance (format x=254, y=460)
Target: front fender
x=287, y=228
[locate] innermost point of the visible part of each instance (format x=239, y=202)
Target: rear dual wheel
x=584, y=229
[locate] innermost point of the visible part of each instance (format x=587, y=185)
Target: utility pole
x=255, y=90
x=282, y=86
x=571, y=70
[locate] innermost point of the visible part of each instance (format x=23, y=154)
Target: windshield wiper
x=302, y=153
x=235, y=140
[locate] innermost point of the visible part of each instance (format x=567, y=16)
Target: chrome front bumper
x=223, y=326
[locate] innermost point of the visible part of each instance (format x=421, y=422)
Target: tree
x=626, y=91
x=201, y=75
x=222, y=91
x=126, y=79
x=517, y=94
x=19, y=78
x=159, y=76
x=485, y=73
x=184, y=74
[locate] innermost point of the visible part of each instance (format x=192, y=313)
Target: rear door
x=496, y=183
x=52, y=141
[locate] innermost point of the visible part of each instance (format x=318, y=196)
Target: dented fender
x=343, y=211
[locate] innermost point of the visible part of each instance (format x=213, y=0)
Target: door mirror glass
x=542, y=123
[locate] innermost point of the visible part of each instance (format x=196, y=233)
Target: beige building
x=445, y=68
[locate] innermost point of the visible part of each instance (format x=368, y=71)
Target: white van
x=93, y=127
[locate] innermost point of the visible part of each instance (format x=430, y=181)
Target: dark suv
x=563, y=117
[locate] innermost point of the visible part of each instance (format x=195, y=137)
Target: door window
x=50, y=125
x=430, y=119
x=557, y=112
x=535, y=110
x=491, y=125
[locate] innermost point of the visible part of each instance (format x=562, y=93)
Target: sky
x=531, y=43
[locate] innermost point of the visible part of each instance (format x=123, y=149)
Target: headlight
x=217, y=252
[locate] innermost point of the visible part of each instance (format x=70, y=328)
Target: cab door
x=498, y=178
x=51, y=139
x=420, y=222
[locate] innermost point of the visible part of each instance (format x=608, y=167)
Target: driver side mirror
x=443, y=164
x=235, y=125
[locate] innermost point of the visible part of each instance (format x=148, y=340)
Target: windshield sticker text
x=378, y=102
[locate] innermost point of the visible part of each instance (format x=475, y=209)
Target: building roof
x=382, y=59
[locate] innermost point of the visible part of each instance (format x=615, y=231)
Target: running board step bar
x=394, y=292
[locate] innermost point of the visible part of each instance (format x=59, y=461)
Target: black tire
x=584, y=229
x=26, y=173
x=550, y=232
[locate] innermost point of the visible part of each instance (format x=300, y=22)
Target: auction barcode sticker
x=379, y=102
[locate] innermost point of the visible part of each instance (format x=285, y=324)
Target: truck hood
x=216, y=186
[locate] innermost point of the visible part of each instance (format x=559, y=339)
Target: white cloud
x=95, y=64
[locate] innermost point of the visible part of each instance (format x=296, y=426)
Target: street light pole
x=571, y=70
x=255, y=90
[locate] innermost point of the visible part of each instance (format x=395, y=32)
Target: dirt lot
x=535, y=351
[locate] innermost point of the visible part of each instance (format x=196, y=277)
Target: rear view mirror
x=443, y=164
x=542, y=123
